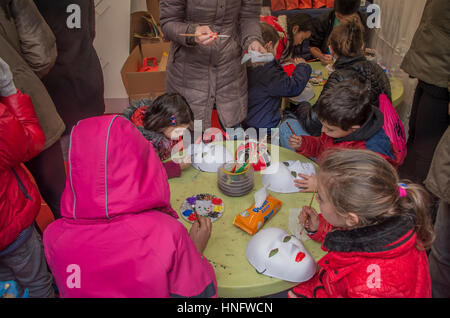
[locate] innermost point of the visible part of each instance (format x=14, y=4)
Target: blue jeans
x=285, y=132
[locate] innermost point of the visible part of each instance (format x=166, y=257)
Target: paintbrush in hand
x=196, y=214
x=308, y=218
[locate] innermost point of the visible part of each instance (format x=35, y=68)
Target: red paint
x=300, y=257
x=192, y=217
x=216, y=201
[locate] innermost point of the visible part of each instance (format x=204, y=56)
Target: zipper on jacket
x=22, y=186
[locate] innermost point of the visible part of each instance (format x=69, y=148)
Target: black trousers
x=49, y=172
x=428, y=121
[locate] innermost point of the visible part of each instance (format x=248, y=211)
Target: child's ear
x=295, y=29
x=351, y=219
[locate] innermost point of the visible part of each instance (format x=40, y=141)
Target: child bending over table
x=375, y=229
x=268, y=84
x=348, y=120
x=162, y=122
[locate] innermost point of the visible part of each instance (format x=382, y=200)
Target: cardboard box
x=144, y=84
x=153, y=8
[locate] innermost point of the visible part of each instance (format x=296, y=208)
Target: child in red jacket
x=349, y=121
x=21, y=138
x=374, y=228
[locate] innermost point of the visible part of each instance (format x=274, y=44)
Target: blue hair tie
x=172, y=121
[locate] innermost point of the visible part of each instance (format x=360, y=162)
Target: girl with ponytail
x=374, y=226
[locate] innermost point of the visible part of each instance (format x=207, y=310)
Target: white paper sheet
x=295, y=228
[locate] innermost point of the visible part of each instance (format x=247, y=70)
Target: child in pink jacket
x=118, y=235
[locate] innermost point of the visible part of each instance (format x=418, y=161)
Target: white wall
x=111, y=43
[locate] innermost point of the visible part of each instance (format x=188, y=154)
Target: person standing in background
x=428, y=60
x=75, y=83
x=27, y=45
x=438, y=183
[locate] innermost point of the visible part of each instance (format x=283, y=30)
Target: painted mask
x=275, y=253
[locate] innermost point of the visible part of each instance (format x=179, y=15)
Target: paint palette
x=207, y=205
x=317, y=78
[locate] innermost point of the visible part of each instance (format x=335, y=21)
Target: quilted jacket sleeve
x=21, y=136
x=249, y=23
x=37, y=41
x=172, y=18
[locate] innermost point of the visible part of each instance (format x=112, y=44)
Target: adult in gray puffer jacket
x=207, y=69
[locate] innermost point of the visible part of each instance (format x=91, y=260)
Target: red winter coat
x=381, y=260
x=21, y=138
x=370, y=136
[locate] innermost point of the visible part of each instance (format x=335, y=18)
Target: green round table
x=397, y=89
x=226, y=247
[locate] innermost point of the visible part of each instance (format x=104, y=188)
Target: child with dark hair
x=324, y=25
x=299, y=30
x=346, y=44
x=162, y=122
x=348, y=121
x=268, y=83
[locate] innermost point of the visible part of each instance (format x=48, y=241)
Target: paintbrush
x=308, y=218
x=292, y=130
x=196, y=214
x=193, y=34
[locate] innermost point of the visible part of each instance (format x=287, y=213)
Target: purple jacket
x=119, y=236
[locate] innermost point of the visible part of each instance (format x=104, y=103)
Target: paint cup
x=235, y=184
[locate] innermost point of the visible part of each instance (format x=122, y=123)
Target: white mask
x=209, y=157
x=275, y=253
x=279, y=177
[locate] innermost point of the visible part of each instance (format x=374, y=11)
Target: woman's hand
x=326, y=59
x=298, y=60
x=204, y=36
x=308, y=184
x=200, y=233
x=295, y=141
x=309, y=218
x=256, y=46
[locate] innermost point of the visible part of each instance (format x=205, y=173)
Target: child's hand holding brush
x=309, y=218
x=294, y=141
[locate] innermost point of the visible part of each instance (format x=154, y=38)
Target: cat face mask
x=275, y=253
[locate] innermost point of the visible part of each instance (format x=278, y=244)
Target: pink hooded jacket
x=119, y=236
